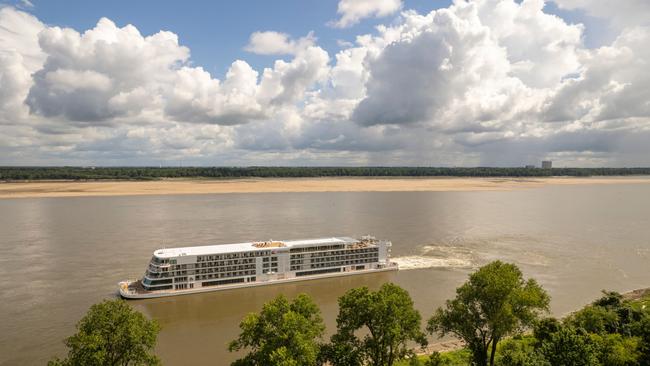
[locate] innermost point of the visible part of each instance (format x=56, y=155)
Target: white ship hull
x=165, y=293
x=190, y=270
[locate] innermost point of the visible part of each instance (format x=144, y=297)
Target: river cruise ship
x=178, y=271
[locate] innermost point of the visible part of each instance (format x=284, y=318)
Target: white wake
x=422, y=262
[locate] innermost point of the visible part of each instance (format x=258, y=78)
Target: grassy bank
x=638, y=300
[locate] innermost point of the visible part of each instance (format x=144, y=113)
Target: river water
x=60, y=255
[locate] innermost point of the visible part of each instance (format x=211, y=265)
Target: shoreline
x=457, y=344
x=50, y=189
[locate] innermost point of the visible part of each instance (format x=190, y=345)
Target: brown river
x=60, y=255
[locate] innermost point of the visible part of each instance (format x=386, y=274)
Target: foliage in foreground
x=377, y=328
x=494, y=313
x=609, y=332
x=388, y=321
x=495, y=303
x=112, y=333
x=284, y=334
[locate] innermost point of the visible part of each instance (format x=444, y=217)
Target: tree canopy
x=112, y=334
x=148, y=173
x=284, y=333
x=373, y=327
x=568, y=346
x=494, y=303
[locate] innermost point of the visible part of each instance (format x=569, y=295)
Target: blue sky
x=481, y=82
x=217, y=31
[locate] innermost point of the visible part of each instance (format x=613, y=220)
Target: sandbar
x=267, y=185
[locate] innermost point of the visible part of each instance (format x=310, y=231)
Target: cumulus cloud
x=482, y=82
x=90, y=77
x=20, y=56
x=621, y=13
x=110, y=73
x=353, y=11
x=612, y=85
x=276, y=43
x=197, y=97
x=286, y=82
x=450, y=70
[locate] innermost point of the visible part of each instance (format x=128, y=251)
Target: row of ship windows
x=223, y=262
x=296, y=265
x=212, y=264
x=345, y=257
x=206, y=258
x=153, y=268
x=149, y=283
x=333, y=252
x=157, y=260
x=225, y=282
x=168, y=287
x=316, y=248
x=343, y=252
x=208, y=270
x=332, y=264
x=338, y=257
x=225, y=275
x=263, y=253
x=213, y=270
x=183, y=286
x=225, y=269
x=318, y=271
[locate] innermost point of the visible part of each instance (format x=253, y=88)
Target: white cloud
x=288, y=81
x=20, y=56
x=450, y=71
x=110, y=73
x=621, y=13
x=614, y=83
x=276, y=43
x=483, y=82
x=197, y=97
x=84, y=72
x=353, y=11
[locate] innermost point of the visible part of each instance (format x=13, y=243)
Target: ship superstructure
x=185, y=270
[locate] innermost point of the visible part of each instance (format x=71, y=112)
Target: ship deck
x=134, y=289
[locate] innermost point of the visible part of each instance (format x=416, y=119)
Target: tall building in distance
x=547, y=164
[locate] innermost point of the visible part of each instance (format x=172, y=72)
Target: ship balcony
x=156, y=275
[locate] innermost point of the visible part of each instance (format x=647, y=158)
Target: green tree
x=642, y=330
x=570, y=347
x=435, y=359
x=112, y=333
x=387, y=320
x=595, y=319
x=283, y=334
x=496, y=302
x=544, y=328
x=610, y=299
x=616, y=350
x=519, y=353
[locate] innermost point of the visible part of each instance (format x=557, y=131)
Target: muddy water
x=60, y=255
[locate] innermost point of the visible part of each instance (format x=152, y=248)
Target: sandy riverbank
x=199, y=186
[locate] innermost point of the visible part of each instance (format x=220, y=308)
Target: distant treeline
x=152, y=173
